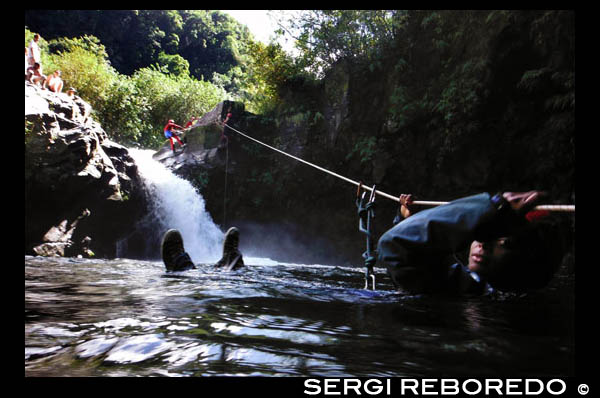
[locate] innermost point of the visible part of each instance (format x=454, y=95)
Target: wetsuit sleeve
x=443, y=229
x=415, y=251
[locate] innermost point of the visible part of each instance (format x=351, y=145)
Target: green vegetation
x=139, y=68
x=326, y=36
x=209, y=41
x=364, y=149
x=132, y=109
x=465, y=80
x=382, y=79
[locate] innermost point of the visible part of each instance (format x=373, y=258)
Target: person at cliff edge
x=224, y=140
x=510, y=247
x=168, y=131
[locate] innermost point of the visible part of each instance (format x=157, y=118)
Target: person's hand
x=405, y=202
x=522, y=202
x=406, y=199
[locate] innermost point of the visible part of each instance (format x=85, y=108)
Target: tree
x=209, y=41
x=268, y=68
x=326, y=36
x=175, y=64
x=88, y=72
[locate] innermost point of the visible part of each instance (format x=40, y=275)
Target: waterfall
x=176, y=204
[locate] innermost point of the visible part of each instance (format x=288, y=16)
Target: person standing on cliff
x=26, y=60
x=34, y=51
x=224, y=138
x=169, y=133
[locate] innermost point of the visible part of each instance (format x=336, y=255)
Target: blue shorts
x=168, y=133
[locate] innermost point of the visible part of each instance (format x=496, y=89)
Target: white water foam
x=176, y=204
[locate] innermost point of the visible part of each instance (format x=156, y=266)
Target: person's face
x=488, y=257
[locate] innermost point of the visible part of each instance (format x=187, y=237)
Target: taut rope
x=225, y=189
x=563, y=208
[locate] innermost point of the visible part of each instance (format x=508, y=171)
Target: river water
x=125, y=317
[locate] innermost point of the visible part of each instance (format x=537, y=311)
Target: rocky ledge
x=82, y=191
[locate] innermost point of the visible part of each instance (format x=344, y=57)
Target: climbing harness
x=366, y=213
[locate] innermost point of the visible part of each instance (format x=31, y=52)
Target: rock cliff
x=282, y=207
x=82, y=191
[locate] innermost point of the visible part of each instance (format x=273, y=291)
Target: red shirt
x=170, y=125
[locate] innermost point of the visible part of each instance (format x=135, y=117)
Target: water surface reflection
x=128, y=317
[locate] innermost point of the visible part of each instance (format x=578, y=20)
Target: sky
x=259, y=23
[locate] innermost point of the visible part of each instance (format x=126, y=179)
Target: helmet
x=171, y=121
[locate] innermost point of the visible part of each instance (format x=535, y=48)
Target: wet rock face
x=276, y=201
x=82, y=191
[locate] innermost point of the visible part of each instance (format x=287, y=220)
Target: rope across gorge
x=557, y=208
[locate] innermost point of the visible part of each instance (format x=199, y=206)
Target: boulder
x=82, y=191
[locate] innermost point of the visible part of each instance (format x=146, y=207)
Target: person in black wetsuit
x=510, y=248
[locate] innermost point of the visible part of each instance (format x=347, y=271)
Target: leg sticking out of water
x=232, y=257
x=173, y=253
x=176, y=259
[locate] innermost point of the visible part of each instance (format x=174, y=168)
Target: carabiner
x=366, y=213
x=369, y=274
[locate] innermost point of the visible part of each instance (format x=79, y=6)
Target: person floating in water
x=509, y=247
x=176, y=258
x=169, y=133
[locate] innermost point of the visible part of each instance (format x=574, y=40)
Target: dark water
x=129, y=318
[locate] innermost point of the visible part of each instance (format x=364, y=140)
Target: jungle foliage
x=139, y=68
x=453, y=79
x=210, y=41
x=133, y=109
x=494, y=79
